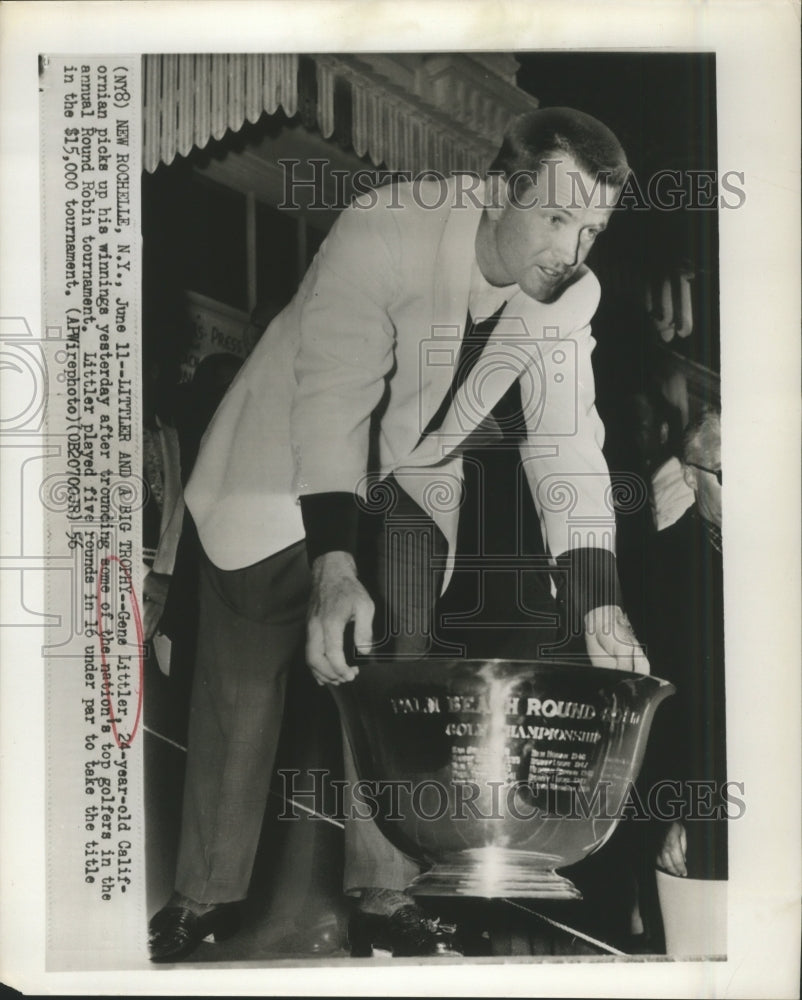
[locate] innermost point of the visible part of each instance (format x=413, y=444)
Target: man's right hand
x=673, y=851
x=337, y=598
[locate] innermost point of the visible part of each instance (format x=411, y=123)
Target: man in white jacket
x=369, y=373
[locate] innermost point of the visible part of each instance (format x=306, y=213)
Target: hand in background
x=671, y=855
x=337, y=599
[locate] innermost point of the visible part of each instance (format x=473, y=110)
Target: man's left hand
x=611, y=641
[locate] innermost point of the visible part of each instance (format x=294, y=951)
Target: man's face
x=541, y=241
x=708, y=495
x=706, y=486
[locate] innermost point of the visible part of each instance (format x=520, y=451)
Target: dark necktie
x=508, y=409
x=473, y=343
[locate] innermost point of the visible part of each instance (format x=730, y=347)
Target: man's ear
x=689, y=474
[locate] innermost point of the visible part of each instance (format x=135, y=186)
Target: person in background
x=163, y=510
x=684, y=633
x=162, y=517
x=670, y=495
x=167, y=333
x=194, y=406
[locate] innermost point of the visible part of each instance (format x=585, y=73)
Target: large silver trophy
x=495, y=773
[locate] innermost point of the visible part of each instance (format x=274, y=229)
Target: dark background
x=663, y=109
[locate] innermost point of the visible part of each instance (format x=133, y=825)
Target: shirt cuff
x=589, y=579
x=331, y=522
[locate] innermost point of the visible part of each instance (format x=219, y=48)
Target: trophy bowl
x=493, y=774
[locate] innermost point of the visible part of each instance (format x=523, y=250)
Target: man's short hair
x=702, y=439
x=535, y=135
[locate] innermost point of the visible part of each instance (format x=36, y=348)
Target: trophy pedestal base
x=493, y=873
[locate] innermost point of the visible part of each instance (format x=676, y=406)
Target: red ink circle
x=140, y=640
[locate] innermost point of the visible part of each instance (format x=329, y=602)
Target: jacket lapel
x=451, y=280
x=517, y=341
x=506, y=354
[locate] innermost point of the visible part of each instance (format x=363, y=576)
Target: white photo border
x=757, y=48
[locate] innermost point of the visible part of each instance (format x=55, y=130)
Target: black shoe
x=404, y=933
x=175, y=931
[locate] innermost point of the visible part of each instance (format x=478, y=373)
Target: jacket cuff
x=588, y=580
x=331, y=522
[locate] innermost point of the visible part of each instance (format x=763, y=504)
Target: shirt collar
x=485, y=299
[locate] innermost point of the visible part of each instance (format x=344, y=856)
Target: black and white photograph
x=447, y=394
x=395, y=618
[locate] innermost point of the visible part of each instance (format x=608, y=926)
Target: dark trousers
x=252, y=631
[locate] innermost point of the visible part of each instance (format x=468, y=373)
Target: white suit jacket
x=379, y=319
